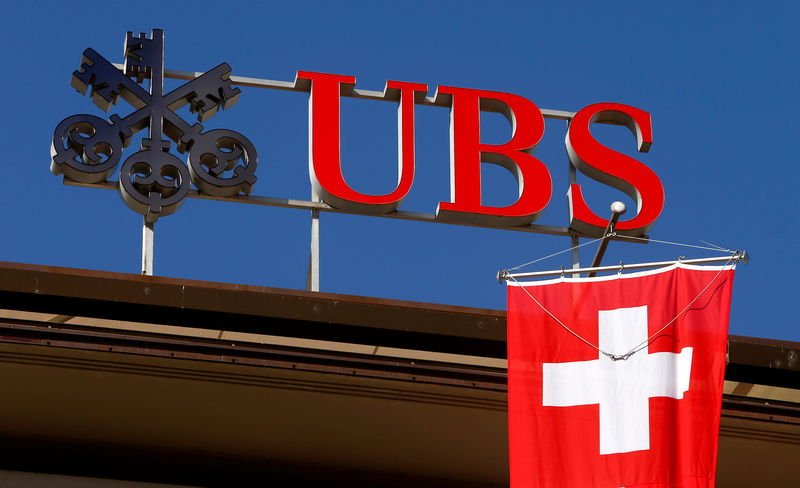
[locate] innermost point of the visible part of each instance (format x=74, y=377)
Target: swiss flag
x=577, y=418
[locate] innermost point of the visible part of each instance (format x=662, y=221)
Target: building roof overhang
x=104, y=362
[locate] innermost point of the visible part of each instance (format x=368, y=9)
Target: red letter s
x=612, y=168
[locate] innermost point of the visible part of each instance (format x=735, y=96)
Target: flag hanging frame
x=735, y=257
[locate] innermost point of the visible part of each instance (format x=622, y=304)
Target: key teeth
x=81, y=79
x=136, y=71
x=139, y=57
x=206, y=113
x=229, y=95
x=104, y=96
x=205, y=106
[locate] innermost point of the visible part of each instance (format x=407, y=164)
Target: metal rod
x=148, y=234
x=312, y=282
x=503, y=275
x=323, y=207
x=576, y=257
x=617, y=209
x=575, y=241
x=386, y=95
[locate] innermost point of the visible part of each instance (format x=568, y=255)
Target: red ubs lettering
x=467, y=153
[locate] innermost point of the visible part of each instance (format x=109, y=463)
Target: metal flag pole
x=617, y=209
x=737, y=256
x=575, y=242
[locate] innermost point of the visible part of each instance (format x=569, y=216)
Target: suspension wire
x=548, y=312
x=650, y=339
x=621, y=236
x=557, y=253
x=715, y=248
x=643, y=344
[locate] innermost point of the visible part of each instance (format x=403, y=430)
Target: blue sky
x=719, y=80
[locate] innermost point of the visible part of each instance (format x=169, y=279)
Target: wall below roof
x=181, y=421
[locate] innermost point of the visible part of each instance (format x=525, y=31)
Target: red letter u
x=324, y=155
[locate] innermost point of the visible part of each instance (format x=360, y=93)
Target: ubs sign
x=222, y=163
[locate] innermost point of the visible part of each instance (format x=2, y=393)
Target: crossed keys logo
x=153, y=182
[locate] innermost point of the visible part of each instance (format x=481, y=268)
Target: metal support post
x=576, y=258
x=312, y=281
x=147, y=247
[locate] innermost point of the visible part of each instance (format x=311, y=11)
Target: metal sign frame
x=221, y=163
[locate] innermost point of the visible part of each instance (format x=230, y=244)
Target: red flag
x=578, y=418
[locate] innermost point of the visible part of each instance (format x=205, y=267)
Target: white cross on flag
x=578, y=418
